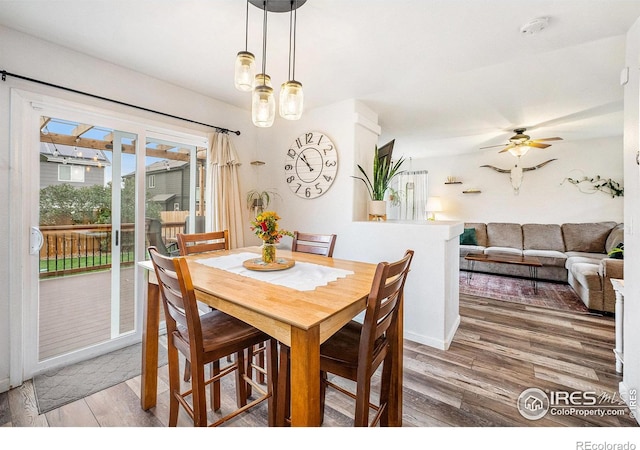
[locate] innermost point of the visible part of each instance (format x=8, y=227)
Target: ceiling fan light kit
x=520, y=143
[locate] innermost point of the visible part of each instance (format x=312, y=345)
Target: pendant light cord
x=246, y=29
x=264, y=44
x=290, y=37
x=295, y=21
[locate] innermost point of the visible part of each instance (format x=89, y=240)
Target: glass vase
x=268, y=253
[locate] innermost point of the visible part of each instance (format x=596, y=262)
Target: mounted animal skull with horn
x=517, y=173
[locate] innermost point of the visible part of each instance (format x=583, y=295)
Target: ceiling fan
x=521, y=143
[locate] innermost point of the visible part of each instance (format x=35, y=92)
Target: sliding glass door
x=87, y=221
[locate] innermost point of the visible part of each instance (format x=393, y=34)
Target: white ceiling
x=444, y=75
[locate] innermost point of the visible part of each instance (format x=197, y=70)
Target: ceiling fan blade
x=493, y=146
x=549, y=139
x=507, y=148
x=537, y=144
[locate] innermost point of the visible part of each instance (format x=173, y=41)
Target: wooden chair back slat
x=317, y=244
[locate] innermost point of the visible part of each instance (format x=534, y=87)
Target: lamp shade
x=263, y=106
x=433, y=204
x=291, y=100
x=245, y=71
x=519, y=150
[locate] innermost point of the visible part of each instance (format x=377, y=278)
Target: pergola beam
x=106, y=146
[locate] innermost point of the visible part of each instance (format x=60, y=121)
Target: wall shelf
x=453, y=182
x=472, y=191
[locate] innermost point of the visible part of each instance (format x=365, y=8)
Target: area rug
x=560, y=296
x=68, y=384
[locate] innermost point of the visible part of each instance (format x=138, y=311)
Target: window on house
x=71, y=173
x=152, y=181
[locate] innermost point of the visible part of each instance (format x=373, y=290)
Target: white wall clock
x=311, y=164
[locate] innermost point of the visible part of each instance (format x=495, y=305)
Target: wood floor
x=499, y=350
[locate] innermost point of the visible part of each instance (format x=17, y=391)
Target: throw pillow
x=617, y=252
x=468, y=237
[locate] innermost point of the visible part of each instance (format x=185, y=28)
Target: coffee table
x=530, y=261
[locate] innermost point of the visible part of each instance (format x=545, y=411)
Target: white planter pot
x=378, y=207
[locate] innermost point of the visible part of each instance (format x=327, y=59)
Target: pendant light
x=263, y=104
x=291, y=95
x=245, y=69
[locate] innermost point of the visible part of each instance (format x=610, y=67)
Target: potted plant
x=259, y=200
x=384, y=170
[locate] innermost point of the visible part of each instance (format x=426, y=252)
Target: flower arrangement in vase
x=265, y=226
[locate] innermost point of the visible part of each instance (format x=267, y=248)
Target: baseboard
x=440, y=344
x=4, y=385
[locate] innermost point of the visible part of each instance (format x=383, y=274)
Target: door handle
x=35, y=241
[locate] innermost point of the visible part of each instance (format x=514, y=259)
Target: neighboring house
x=167, y=183
x=64, y=164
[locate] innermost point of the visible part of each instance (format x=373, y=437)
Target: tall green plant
x=383, y=173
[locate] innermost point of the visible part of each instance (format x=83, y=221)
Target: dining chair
x=357, y=350
x=203, y=339
x=192, y=243
x=202, y=242
x=317, y=244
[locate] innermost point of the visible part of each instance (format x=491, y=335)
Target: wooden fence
x=69, y=249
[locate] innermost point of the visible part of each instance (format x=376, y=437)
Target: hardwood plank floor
x=499, y=350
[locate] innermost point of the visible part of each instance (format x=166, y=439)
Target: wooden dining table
x=299, y=319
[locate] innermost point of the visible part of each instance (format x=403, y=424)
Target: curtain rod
x=219, y=129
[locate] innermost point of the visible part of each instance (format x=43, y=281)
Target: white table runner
x=301, y=277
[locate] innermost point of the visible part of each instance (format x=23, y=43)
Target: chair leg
x=215, y=386
x=261, y=349
x=199, y=396
x=363, y=392
x=174, y=384
x=271, y=348
x=187, y=371
x=283, y=402
x=323, y=393
x=241, y=385
x=385, y=388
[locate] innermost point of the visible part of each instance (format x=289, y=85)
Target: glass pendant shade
x=262, y=79
x=291, y=100
x=263, y=106
x=520, y=150
x=245, y=71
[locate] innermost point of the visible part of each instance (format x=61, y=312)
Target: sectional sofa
x=574, y=253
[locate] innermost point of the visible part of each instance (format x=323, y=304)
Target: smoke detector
x=534, y=26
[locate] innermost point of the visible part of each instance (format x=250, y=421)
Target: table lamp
x=432, y=207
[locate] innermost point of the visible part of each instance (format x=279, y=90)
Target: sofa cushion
x=586, y=237
x=587, y=275
x=548, y=257
x=537, y=236
x=467, y=249
x=571, y=260
x=616, y=237
x=502, y=251
x=468, y=237
x=505, y=235
x=481, y=232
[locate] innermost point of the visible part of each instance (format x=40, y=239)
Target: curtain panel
x=225, y=212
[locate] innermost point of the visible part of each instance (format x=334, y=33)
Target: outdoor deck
x=75, y=310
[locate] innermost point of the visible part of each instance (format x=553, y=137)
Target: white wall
x=38, y=59
x=353, y=129
x=543, y=197
x=631, y=367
